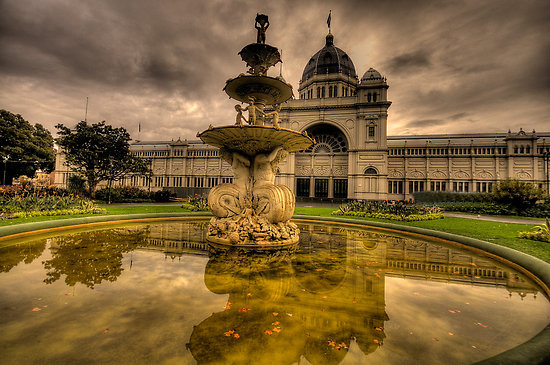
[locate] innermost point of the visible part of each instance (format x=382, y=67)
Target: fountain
x=253, y=212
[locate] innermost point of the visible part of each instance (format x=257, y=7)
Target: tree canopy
x=26, y=148
x=99, y=152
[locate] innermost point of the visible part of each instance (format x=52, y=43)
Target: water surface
x=150, y=293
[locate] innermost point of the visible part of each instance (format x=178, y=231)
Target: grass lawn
x=504, y=234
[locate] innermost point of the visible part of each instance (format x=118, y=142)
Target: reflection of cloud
x=144, y=313
x=429, y=303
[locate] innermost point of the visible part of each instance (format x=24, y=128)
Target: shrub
x=518, y=194
x=161, y=196
x=540, y=233
x=448, y=196
x=77, y=185
x=478, y=208
x=124, y=194
x=196, y=203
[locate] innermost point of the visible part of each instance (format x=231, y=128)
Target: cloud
x=422, y=123
x=408, y=62
x=164, y=64
x=458, y=116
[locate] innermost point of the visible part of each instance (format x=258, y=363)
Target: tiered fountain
x=253, y=211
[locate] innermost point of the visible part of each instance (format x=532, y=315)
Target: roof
x=463, y=139
x=328, y=60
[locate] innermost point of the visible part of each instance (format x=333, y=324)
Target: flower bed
x=540, y=233
x=393, y=210
x=28, y=201
x=196, y=204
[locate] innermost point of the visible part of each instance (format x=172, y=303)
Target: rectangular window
x=371, y=131
x=302, y=187
x=395, y=187
x=416, y=186
x=340, y=188
x=321, y=188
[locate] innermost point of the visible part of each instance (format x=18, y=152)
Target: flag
x=328, y=19
x=139, y=127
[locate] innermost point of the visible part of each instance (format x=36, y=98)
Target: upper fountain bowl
x=260, y=57
x=251, y=140
x=264, y=89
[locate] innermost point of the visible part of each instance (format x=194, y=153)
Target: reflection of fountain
x=282, y=307
x=253, y=211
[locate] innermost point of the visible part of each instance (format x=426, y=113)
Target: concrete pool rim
x=534, y=351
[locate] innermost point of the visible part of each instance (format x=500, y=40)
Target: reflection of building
x=353, y=157
x=331, y=293
x=391, y=255
x=178, y=239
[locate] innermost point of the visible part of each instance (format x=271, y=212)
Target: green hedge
x=447, y=196
x=539, y=211
x=130, y=194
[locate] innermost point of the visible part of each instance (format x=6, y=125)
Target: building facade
x=353, y=157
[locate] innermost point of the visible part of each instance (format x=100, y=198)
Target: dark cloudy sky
x=452, y=66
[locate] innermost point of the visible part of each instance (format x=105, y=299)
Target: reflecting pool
x=151, y=293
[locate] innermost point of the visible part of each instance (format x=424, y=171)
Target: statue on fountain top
x=262, y=23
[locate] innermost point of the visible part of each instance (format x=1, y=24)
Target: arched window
x=374, y=97
x=515, y=149
x=368, y=97
x=521, y=149
x=328, y=139
x=371, y=171
x=318, y=92
x=323, y=92
x=330, y=91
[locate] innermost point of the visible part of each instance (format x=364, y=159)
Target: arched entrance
x=322, y=169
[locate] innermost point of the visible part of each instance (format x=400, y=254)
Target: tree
x=24, y=148
x=99, y=152
x=518, y=194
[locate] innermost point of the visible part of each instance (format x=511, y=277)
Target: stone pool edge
x=27, y=229
x=534, y=351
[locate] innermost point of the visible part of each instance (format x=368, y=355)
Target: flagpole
x=329, y=19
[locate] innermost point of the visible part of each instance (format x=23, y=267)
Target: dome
x=330, y=59
x=371, y=76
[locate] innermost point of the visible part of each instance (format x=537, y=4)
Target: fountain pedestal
x=253, y=211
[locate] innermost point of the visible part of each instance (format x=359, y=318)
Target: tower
x=347, y=117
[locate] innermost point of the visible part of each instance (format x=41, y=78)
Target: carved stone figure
x=265, y=165
x=275, y=116
x=239, y=119
x=262, y=23
x=241, y=168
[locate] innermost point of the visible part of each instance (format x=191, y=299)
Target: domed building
x=353, y=157
x=347, y=118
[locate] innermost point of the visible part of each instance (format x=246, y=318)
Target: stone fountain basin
x=251, y=140
x=265, y=89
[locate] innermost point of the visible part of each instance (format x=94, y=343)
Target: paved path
x=494, y=219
